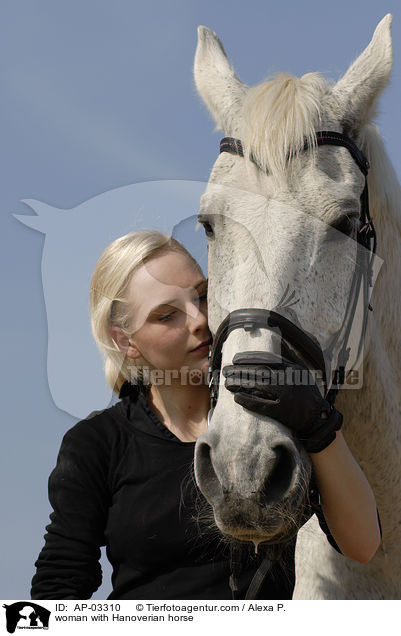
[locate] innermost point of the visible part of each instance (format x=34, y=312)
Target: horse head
x=281, y=213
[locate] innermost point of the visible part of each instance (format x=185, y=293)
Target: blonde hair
x=107, y=302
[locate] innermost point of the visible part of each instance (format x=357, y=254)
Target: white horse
x=255, y=211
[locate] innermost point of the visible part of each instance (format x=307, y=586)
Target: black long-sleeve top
x=124, y=480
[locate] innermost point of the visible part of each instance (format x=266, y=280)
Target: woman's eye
x=165, y=316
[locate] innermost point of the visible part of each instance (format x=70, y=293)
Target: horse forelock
x=279, y=115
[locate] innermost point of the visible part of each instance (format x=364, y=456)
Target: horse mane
x=279, y=116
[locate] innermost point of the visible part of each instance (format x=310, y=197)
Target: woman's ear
x=124, y=343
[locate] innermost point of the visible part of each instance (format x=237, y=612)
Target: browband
x=322, y=137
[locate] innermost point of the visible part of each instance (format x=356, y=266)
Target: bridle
x=305, y=343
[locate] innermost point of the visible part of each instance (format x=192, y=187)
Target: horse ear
x=216, y=81
x=358, y=90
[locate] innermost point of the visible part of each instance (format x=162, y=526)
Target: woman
x=124, y=475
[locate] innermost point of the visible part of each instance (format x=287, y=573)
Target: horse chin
x=243, y=535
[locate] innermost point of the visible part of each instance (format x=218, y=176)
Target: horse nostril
x=204, y=471
x=278, y=481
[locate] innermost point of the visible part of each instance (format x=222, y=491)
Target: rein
x=305, y=343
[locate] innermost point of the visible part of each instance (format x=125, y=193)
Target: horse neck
x=383, y=339
x=372, y=414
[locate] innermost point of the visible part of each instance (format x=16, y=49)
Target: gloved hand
x=254, y=379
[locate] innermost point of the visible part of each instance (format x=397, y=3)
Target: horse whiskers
x=206, y=532
x=283, y=520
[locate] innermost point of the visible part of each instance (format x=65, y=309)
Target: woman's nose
x=196, y=318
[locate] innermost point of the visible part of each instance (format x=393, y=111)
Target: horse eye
x=207, y=227
x=346, y=225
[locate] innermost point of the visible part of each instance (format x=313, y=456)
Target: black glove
x=256, y=379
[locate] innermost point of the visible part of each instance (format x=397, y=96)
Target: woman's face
x=169, y=315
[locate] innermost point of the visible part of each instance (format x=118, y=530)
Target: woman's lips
x=203, y=347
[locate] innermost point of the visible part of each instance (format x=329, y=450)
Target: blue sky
x=100, y=95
